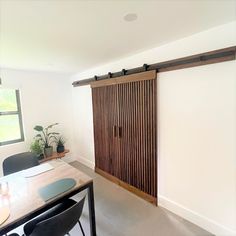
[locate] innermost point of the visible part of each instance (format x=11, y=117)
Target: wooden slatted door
x=105, y=115
x=138, y=146
x=125, y=132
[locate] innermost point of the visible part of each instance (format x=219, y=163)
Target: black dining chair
x=57, y=221
x=19, y=162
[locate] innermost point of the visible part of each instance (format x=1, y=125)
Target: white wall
x=197, y=136
x=197, y=129
x=45, y=99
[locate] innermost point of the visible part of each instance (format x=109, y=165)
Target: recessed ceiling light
x=130, y=17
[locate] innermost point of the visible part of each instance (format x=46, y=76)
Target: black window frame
x=19, y=113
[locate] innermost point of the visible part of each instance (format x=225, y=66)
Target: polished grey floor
x=120, y=213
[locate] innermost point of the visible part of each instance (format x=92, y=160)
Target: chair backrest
x=19, y=162
x=60, y=224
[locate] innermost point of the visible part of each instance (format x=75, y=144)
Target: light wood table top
x=4, y=214
x=23, y=198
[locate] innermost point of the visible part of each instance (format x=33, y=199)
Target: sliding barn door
x=125, y=132
x=137, y=124
x=105, y=115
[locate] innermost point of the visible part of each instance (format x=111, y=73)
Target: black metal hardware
x=119, y=132
x=109, y=75
x=123, y=71
x=216, y=56
x=114, y=131
x=145, y=66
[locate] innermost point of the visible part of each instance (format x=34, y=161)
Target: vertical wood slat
x=112, y=120
x=155, y=131
x=138, y=142
x=104, y=117
x=131, y=158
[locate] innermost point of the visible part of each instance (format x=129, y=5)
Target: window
x=11, y=129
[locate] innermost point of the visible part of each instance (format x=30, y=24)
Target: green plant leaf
x=53, y=133
x=41, y=139
x=36, y=147
x=38, y=128
x=50, y=126
x=44, y=136
x=53, y=137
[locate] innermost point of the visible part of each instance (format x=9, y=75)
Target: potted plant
x=37, y=148
x=46, y=137
x=60, y=141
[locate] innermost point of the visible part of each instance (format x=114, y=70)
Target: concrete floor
x=121, y=213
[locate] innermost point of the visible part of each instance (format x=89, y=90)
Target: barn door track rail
x=216, y=56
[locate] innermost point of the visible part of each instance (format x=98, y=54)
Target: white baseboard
x=200, y=220
x=86, y=162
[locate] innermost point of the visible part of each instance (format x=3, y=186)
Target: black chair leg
x=81, y=228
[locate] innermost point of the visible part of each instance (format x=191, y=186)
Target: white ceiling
x=74, y=35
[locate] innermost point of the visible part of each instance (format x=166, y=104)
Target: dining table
x=23, y=199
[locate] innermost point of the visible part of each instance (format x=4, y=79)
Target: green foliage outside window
x=10, y=117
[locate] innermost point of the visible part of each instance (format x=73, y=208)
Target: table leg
x=91, y=210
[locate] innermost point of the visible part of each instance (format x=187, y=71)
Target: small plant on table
x=60, y=141
x=46, y=138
